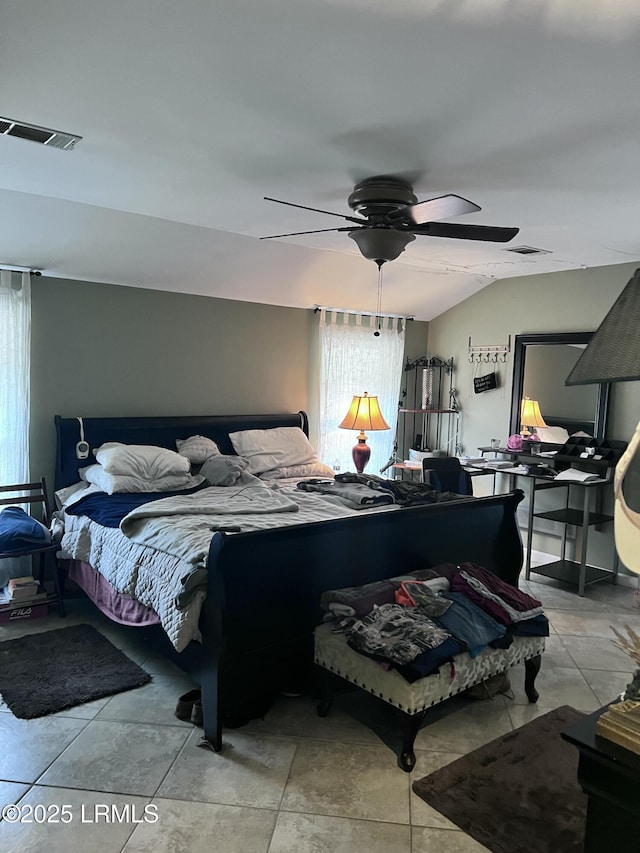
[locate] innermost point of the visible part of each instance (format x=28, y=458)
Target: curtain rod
x=13, y=268
x=317, y=308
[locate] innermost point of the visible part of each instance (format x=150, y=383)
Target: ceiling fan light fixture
x=381, y=244
x=389, y=217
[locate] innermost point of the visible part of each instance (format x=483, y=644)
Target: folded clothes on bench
x=406, y=625
x=396, y=633
x=362, y=599
x=504, y=602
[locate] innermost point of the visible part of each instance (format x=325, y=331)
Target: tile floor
x=288, y=783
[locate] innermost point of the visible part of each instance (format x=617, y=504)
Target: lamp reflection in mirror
x=613, y=355
x=530, y=416
x=364, y=414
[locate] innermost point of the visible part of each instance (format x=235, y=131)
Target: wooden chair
x=34, y=494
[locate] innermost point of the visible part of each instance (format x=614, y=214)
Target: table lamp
x=364, y=414
x=530, y=416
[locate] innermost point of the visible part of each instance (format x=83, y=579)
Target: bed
x=263, y=587
x=559, y=430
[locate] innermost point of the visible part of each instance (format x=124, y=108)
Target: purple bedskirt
x=116, y=605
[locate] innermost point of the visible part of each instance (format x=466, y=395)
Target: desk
x=402, y=466
x=576, y=572
x=526, y=453
x=494, y=466
x=579, y=573
x=515, y=458
x=610, y=777
x=470, y=469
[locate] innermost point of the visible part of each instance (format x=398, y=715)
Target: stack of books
x=22, y=589
x=22, y=598
x=621, y=724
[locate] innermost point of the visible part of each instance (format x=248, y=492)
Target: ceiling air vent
x=528, y=250
x=34, y=133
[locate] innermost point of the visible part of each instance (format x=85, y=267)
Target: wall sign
x=484, y=383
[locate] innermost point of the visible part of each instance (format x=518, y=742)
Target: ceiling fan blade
x=297, y=233
x=316, y=210
x=443, y=207
x=489, y=233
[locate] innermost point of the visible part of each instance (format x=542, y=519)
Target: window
x=354, y=360
x=15, y=340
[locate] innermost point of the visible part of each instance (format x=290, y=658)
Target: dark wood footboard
x=263, y=599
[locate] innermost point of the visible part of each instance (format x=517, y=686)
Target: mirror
x=541, y=365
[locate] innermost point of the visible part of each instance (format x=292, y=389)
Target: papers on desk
x=491, y=463
x=574, y=475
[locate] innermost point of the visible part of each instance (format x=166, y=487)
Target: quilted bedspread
x=182, y=525
x=162, y=546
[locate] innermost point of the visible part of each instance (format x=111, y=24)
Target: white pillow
x=280, y=447
x=143, y=461
x=553, y=434
x=314, y=469
x=62, y=495
x=116, y=483
x=197, y=448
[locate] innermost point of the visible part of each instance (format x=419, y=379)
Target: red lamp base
x=360, y=454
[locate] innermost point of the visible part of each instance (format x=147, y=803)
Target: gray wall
x=105, y=350
x=100, y=350
x=574, y=301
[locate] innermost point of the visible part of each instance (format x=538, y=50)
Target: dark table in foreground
x=610, y=777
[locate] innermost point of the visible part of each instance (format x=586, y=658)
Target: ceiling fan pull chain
x=379, y=305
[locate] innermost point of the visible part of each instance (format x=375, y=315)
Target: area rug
x=517, y=794
x=44, y=673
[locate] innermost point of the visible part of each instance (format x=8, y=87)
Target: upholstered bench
x=334, y=656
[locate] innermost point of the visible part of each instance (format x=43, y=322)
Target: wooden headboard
x=159, y=431
x=572, y=425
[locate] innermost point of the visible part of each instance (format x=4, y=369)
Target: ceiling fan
x=390, y=216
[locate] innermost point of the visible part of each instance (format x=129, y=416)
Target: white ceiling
x=192, y=111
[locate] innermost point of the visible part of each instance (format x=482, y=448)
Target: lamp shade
x=613, y=353
x=530, y=415
x=364, y=414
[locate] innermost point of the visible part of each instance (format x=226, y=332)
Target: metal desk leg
x=563, y=549
x=585, y=534
x=527, y=565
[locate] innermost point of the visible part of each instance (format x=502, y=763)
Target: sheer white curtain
x=15, y=339
x=354, y=360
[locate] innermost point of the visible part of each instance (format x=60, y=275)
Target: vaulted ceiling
x=191, y=112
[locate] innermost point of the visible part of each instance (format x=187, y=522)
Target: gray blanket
x=353, y=495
